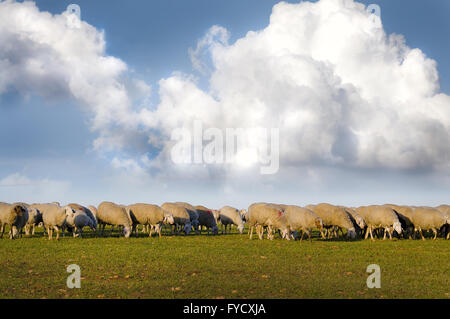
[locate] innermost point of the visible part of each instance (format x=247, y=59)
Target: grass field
x=225, y=266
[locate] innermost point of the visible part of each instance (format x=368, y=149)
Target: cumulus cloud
x=341, y=91
x=45, y=55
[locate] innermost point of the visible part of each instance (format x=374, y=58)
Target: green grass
x=224, y=266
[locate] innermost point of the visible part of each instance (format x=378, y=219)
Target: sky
x=361, y=104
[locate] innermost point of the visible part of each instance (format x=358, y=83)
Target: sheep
x=215, y=212
x=180, y=216
x=34, y=219
x=207, y=218
x=15, y=215
x=297, y=218
x=260, y=215
x=357, y=220
x=231, y=216
x=445, y=229
x=428, y=218
x=87, y=211
x=53, y=217
x=405, y=216
x=78, y=219
x=380, y=216
x=109, y=213
x=334, y=216
x=193, y=215
x=148, y=214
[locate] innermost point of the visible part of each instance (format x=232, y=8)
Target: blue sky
x=153, y=38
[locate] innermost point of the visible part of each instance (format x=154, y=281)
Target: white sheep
x=53, y=217
x=149, y=215
x=297, y=218
x=109, y=213
x=334, y=216
x=78, y=219
x=87, y=211
x=380, y=216
x=34, y=219
x=231, y=216
x=180, y=216
x=193, y=215
x=261, y=215
x=14, y=215
x=428, y=218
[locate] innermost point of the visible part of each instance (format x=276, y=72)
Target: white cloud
x=341, y=91
x=43, y=54
x=18, y=187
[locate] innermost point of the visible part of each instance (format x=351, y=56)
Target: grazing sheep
x=78, y=219
x=405, y=216
x=428, y=218
x=193, y=215
x=180, y=216
x=215, y=212
x=334, y=216
x=149, y=215
x=357, y=220
x=297, y=218
x=53, y=217
x=15, y=215
x=87, y=211
x=112, y=214
x=230, y=216
x=34, y=219
x=261, y=215
x=207, y=219
x=380, y=216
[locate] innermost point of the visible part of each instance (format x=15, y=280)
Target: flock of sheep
x=288, y=221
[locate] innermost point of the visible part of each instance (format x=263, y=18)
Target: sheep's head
x=397, y=227
x=19, y=210
x=127, y=231
x=360, y=221
x=241, y=228
x=215, y=230
x=69, y=211
x=168, y=219
x=243, y=214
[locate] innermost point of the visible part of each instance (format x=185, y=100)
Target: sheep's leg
x=384, y=237
x=435, y=233
x=301, y=237
x=57, y=232
x=367, y=233
x=371, y=235
x=421, y=234
x=50, y=232
x=150, y=232
x=250, y=231
x=260, y=231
